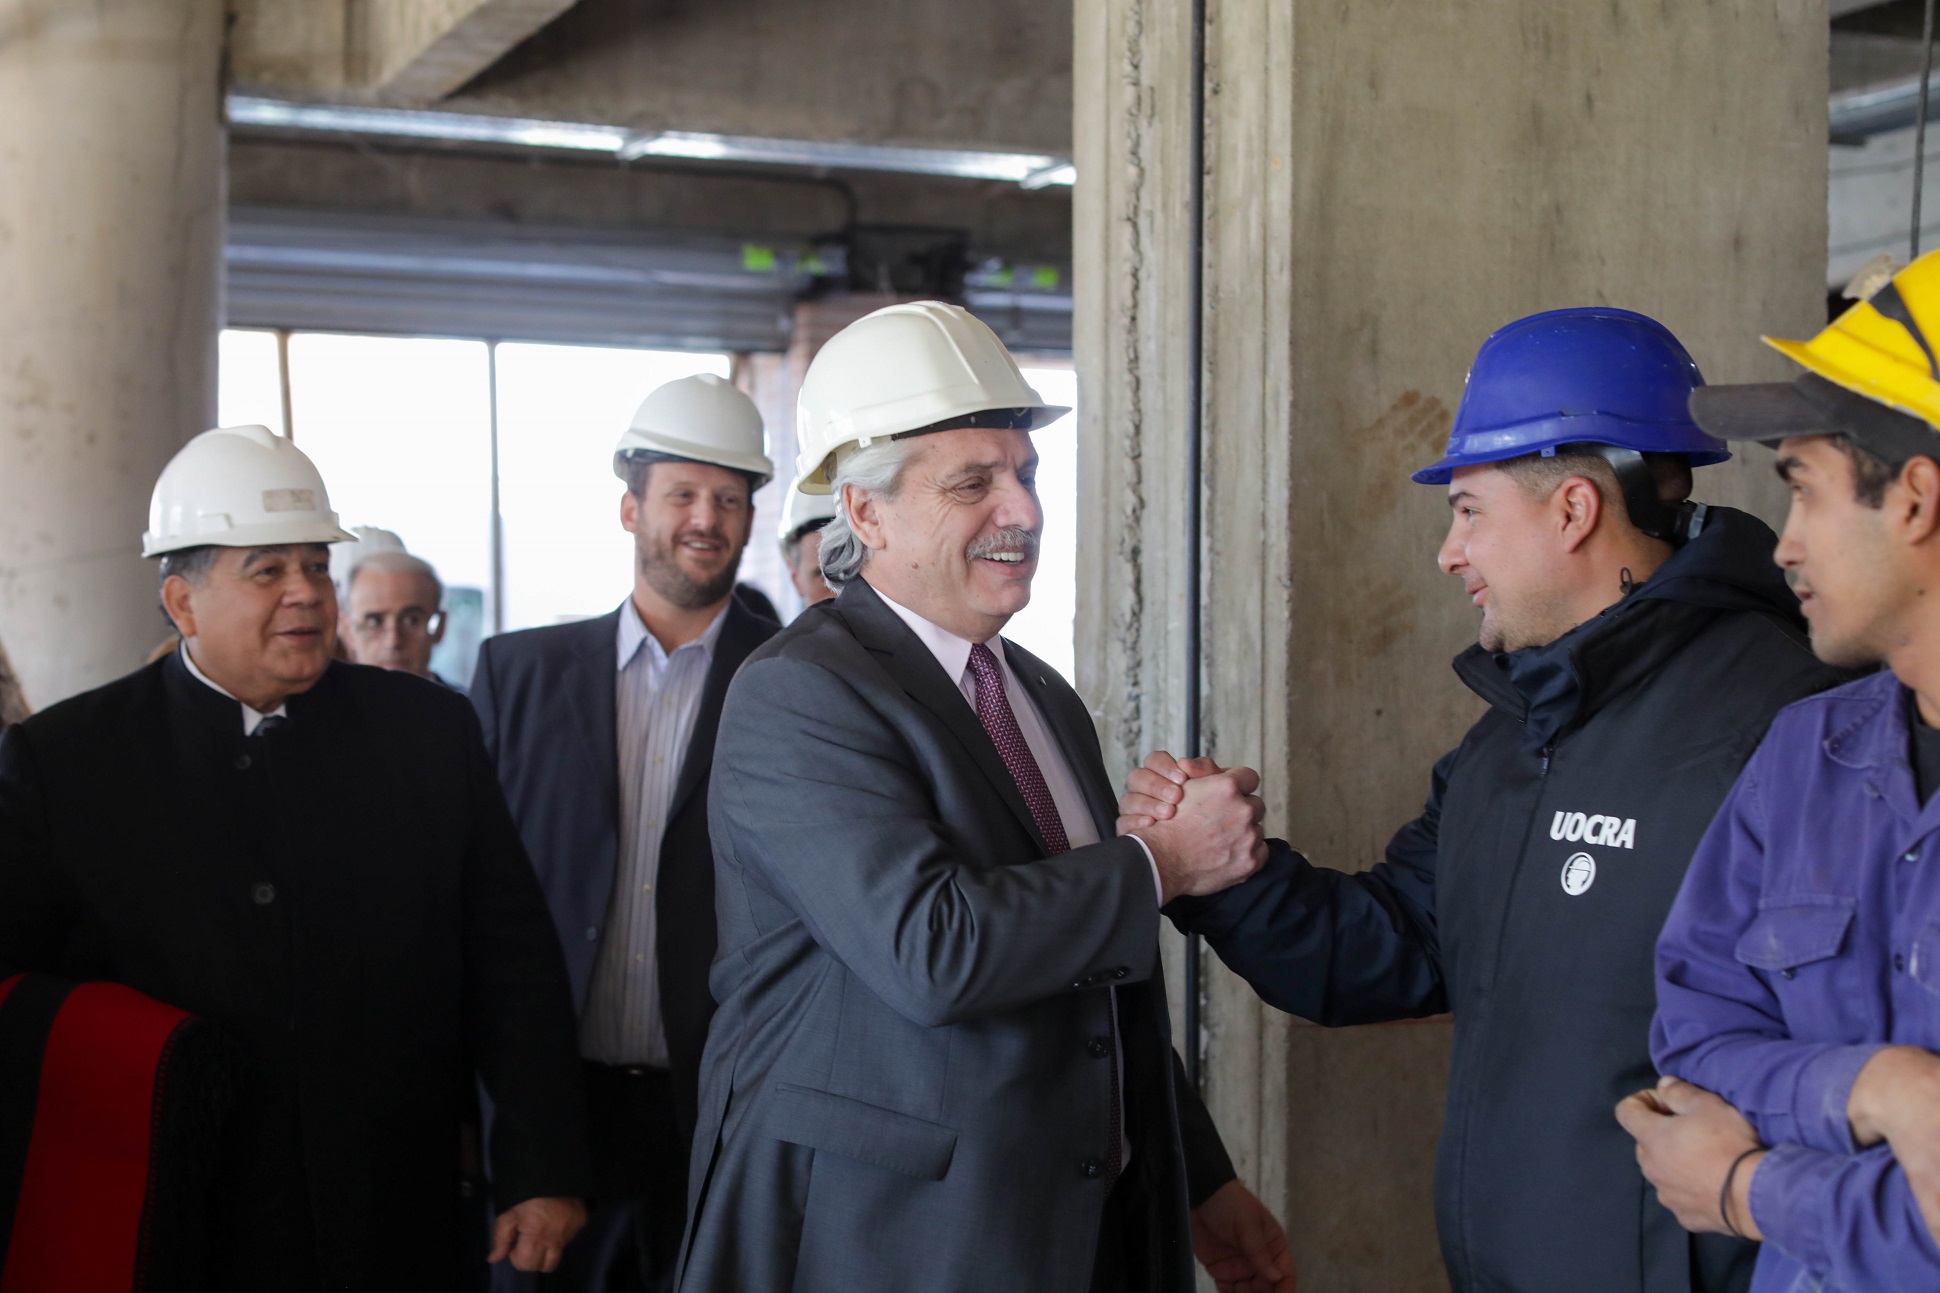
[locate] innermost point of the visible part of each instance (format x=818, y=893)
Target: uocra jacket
x=1527, y=898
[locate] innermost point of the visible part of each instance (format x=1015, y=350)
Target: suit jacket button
x=263, y=894
x=1120, y=972
x=1091, y=1169
x=1099, y=1048
x=593, y=935
x=242, y=762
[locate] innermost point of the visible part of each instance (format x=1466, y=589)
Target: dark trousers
x=1111, y=1269
x=631, y=1242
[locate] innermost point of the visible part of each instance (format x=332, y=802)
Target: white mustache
x=1012, y=539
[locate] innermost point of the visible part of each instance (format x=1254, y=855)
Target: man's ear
x=436, y=629
x=864, y=517
x=1919, y=499
x=630, y=512
x=178, y=599
x=1579, y=506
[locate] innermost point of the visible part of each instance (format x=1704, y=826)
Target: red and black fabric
x=111, y=1105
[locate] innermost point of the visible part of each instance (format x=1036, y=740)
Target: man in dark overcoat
x=316, y=857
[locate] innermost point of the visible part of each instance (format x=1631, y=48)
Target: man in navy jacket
x=1633, y=648
x=603, y=734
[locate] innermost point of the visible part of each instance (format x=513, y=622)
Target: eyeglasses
x=407, y=622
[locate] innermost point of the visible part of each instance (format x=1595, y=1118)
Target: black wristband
x=1724, y=1195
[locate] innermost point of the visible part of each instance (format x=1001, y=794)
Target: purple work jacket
x=1805, y=938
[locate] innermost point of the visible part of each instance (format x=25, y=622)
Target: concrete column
x=1384, y=185
x=111, y=206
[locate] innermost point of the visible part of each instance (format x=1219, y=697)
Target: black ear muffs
x=1675, y=523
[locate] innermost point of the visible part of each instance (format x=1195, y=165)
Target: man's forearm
x=1897, y=1090
x=1326, y=946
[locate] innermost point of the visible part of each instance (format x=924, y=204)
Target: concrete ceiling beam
x=403, y=52
x=419, y=52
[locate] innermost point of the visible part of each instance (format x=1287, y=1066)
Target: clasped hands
x=1701, y=1153
x=1200, y=821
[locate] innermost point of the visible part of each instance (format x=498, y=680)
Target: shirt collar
x=634, y=634
x=951, y=651
x=251, y=719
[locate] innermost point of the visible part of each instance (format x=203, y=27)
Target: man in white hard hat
x=801, y=543
x=316, y=857
x=942, y=1058
x=603, y=733
x=394, y=613
x=366, y=541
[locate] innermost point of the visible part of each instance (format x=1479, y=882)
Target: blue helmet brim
x=1502, y=444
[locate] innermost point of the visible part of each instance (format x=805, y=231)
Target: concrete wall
x=995, y=74
x=1385, y=184
x=110, y=234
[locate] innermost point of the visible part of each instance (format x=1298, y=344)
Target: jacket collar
x=1079, y=745
x=1561, y=685
x=215, y=708
x=207, y=706
x=1870, y=732
x=914, y=668
x=588, y=683
x=735, y=636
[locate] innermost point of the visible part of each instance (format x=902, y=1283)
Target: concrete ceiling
x=937, y=73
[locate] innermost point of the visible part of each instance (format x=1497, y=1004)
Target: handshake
x=1200, y=821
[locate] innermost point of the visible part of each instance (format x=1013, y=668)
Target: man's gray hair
x=192, y=564
x=399, y=563
x=873, y=469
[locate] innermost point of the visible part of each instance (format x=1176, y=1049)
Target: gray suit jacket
x=907, y=1084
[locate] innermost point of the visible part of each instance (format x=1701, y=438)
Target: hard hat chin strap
x=1675, y=523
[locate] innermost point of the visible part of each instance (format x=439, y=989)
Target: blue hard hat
x=1591, y=375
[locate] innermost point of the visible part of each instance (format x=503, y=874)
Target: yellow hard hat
x=1871, y=374
x=1879, y=348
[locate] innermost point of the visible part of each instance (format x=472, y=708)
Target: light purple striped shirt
x=658, y=696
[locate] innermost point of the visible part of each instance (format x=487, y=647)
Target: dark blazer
x=347, y=899
x=547, y=701
x=908, y=1084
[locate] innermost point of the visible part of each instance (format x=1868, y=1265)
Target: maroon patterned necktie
x=993, y=709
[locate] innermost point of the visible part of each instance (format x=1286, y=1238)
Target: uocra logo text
x=1612, y=832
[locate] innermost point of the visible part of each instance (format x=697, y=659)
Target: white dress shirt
x=251, y=719
x=953, y=653
x=657, y=695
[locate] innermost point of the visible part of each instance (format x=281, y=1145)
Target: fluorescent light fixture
x=1017, y=168
x=1030, y=170
x=1045, y=176
x=523, y=132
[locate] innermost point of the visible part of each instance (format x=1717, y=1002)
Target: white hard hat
x=804, y=512
x=369, y=540
x=239, y=487
x=703, y=418
x=904, y=368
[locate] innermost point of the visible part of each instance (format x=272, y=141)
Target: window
x=561, y=408
x=402, y=429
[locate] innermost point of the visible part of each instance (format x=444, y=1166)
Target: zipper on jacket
x=1495, y=971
